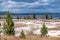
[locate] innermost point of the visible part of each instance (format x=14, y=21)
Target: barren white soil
x=34, y=26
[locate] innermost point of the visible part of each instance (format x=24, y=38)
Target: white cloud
x=44, y=1
x=12, y=4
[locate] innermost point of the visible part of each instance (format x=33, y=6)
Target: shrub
x=44, y=30
x=22, y=35
x=27, y=17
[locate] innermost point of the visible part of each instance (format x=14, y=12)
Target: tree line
x=46, y=16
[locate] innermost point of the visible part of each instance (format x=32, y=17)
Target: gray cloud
x=43, y=5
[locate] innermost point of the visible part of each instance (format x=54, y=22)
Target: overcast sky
x=29, y=6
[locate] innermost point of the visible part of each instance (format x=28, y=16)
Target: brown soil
x=30, y=37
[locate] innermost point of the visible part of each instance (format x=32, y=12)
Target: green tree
x=8, y=25
x=0, y=28
x=34, y=16
x=22, y=35
x=44, y=30
x=0, y=17
x=58, y=17
x=51, y=17
x=46, y=16
x=26, y=17
x=17, y=17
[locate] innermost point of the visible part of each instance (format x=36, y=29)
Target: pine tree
x=17, y=17
x=59, y=18
x=34, y=16
x=27, y=17
x=51, y=17
x=0, y=28
x=22, y=35
x=43, y=30
x=8, y=25
x=46, y=16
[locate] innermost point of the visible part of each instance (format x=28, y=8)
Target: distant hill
x=4, y=13
x=1, y=13
x=38, y=15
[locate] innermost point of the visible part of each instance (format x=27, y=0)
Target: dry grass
x=30, y=37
